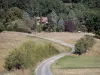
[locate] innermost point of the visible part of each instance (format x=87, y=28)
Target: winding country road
x=44, y=67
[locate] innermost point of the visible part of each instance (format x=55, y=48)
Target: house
x=44, y=20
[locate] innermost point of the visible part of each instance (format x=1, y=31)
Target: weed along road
x=44, y=67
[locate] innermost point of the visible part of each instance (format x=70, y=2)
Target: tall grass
x=29, y=54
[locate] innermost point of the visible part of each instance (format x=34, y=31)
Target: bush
x=81, y=28
x=14, y=28
x=18, y=25
x=51, y=27
x=10, y=28
x=84, y=44
x=15, y=60
x=29, y=54
x=14, y=13
x=2, y=27
x=39, y=28
x=98, y=32
x=58, y=28
x=26, y=30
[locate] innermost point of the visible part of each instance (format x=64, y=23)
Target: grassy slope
x=70, y=38
x=30, y=53
x=90, y=59
x=11, y=40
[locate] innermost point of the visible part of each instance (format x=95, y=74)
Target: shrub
x=98, y=32
x=39, y=28
x=10, y=28
x=15, y=60
x=19, y=25
x=81, y=28
x=26, y=30
x=29, y=54
x=14, y=13
x=84, y=44
x=58, y=28
x=2, y=27
x=13, y=28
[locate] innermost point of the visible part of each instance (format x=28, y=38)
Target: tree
x=41, y=7
x=97, y=33
x=92, y=20
x=45, y=7
x=92, y=3
x=13, y=14
x=69, y=1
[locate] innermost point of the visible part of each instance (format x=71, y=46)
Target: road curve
x=44, y=67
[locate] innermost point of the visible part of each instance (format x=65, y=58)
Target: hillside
x=11, y=40
x=86, y=64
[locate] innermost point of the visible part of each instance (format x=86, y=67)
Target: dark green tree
x=92, y=3
x=93, y=20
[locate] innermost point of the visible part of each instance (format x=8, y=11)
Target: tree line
x=83, y=13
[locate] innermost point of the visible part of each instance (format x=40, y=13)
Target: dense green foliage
x=92, y=3
x=16, y=9
x=14, y=21
x=14, y=13
x=1, y=27
x=29, y=54
x=35, y=6
x=93, y=20
x=85, y=14
x=39, y=28
x=84, y=44
x=98, y=33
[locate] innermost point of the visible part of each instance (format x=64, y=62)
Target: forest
x=77, y=15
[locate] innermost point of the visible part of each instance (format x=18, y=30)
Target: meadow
x=87, y=64
x=42, y=49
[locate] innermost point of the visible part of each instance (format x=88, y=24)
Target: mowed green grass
x=78, y=62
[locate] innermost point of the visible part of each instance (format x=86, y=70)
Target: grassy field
x=87, y=64
x=87, y=71
x=77, y=65
x=70, y=38
x=78, y=62
x=30, y=53
x=11, y=40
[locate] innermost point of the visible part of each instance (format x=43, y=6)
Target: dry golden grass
x=11, y=40
x=64, y=36
x=95, y=51
x=8, y=42
x=72, y=39
x=76, y=71
x=18, y=72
